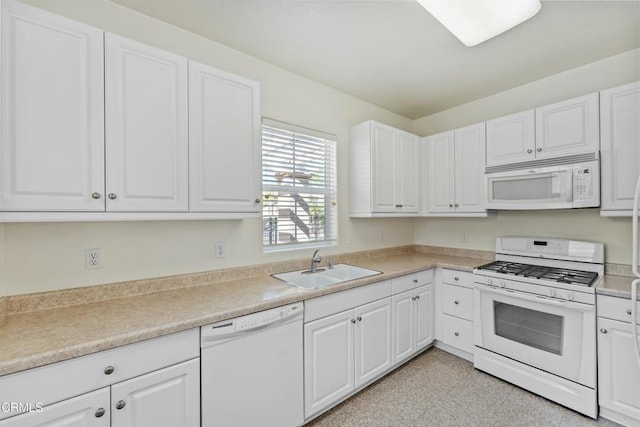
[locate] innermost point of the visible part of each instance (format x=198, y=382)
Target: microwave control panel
x=582, y=183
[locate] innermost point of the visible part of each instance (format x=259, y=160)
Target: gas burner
x=559, y=275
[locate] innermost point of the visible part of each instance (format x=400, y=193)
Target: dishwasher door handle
x=217, y=338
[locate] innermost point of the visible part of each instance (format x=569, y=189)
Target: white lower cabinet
x=412, y=322
x=618, y=370
x=151, y=383
x=454, y=312
x=345, y=351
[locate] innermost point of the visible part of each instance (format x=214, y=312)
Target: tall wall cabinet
x=95, y=122
x=620, y=147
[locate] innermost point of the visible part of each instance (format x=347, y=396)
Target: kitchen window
x=298, y=187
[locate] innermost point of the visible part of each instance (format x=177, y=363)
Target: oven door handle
x=539, y=299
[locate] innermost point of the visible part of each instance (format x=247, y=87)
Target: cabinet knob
x=353, y=320
x=603, y=330
x=456, y=334
x=121, y=404
x=112, y=196
x=456, y=302
x=538, y=149
x=100, y=412
x=399, y=206
x=629, y=312
x=450, y=205
x=258, y=200
x=415, y=280
x=109, y=370
x=529, y=151
x=456, y=278
x=456, y=205
x=359, y=319
x=417, y=297
x=96, y=195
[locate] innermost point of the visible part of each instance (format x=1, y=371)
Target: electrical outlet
x=219, y=248
x=92, y=258
x=464, y=236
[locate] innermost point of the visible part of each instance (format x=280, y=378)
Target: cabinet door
x=373, y=340
x=469, y=168
x=52, y=149
x=224, y=141
x=568, y=127
x=440, y=154
x=167, y=397
x=618, y=371
x=403, y=325
x=328, y=360
x=87, y=410
x=407, y=152
x=511, y=139
x=146, y=128
x=620, y=146
x=383, y=158
x=424, y=316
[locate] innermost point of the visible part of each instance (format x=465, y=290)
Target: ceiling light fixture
x=474, y=21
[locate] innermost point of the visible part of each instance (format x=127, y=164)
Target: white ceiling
x=393, y=53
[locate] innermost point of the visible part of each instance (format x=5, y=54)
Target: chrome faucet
x=315, y=260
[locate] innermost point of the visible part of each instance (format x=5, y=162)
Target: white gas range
x=535, y=317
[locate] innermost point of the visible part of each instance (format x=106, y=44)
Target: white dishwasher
x=252, y=370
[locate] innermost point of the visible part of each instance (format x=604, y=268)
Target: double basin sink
x=306, y=279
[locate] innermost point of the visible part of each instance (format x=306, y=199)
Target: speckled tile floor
x=439, y=389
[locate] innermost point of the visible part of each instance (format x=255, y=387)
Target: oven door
x=540, y=188
x=553, y=335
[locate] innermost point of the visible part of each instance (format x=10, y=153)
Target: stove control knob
x=571, y=296
x=502, y=284
x=552, y=292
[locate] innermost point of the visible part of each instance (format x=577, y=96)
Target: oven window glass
x=529, y=327
x=540, y=187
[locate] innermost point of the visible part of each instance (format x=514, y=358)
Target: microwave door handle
x=538, y=299
x=569, y=187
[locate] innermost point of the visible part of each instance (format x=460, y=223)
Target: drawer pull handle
x=456, y=302
x=109, y=370
x=456, y=278
x=629, y=312
x=415, y=280
x=121, y=404
x=603, y=330
x=456, y=334
x=100, y=412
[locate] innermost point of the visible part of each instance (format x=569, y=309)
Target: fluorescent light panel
x=474, y=21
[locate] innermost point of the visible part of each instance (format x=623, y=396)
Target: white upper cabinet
x=383, y=171
x=511, y=139
x=52, y=149
x=562, y=129
x=455, y=167
x=224, y=141
x=146, y=128
x=620, y=147
x=568, y=127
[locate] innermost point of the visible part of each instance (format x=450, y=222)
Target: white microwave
x=575, y=185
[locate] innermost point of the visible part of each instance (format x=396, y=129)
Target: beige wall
x=585, y=224
x=49, y=256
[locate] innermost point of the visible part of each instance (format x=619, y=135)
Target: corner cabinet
x=620, y=148
x=455, y=168
x=52, y=146
x=147, y=384
x=383, y=171
x=618, y=370
x=224, y=142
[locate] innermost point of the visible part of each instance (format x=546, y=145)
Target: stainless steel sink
x=306, y=279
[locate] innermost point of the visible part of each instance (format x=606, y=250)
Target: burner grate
x=559, y=275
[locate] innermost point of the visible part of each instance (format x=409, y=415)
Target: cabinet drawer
x=52, y=383
x=457, y=301
x=616, y=308
x=411, y=281
x=457, y=277
x=327, y=305
x=457, y=333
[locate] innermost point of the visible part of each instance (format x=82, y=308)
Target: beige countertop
x=35, y=334
x=46, y=328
